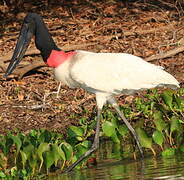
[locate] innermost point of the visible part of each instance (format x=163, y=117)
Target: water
x=170, y=168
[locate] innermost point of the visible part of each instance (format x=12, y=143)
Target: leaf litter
x=142, y=28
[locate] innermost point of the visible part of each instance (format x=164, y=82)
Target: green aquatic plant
x=158, y=120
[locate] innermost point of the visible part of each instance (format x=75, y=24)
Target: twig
x=33, y=107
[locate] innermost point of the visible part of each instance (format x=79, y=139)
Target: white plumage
x=112, y=73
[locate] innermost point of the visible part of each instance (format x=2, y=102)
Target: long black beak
x=26, y=33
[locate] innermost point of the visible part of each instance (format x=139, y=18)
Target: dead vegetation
x=150, y=29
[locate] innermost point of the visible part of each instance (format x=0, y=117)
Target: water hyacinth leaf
x=116, y=151
x=108, y=128
x=75, y=131
x=169, y=152
x=177, y=100
x=159, y=122
x=86, y=143
x=158, y=137
x=167, y=97
x=23, y=158
x=68, y=150
x=17, y=142
x=162, y=107
x=61, y=153
x=115, y=138
x=123, y=130
x=33, y=133
x=29, y=149
x=2, y=175
x=49, y=159
x=57, y=153
x=144, y=139
x=43, y=147
x=181, y=91
x=115, y=122
x=80, y=150
x=175, y=124
x=13, y=171
x=45, y=136
x=74, y=159
x=33, y=161
x=8, y=144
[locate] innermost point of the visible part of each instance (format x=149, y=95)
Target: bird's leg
x=116, y=107
x=94, y=146
x=48, y=94
x=57, y=92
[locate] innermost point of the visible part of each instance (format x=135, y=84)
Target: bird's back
x=117, y=72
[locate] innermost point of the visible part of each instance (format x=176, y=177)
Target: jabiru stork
x=104, y=74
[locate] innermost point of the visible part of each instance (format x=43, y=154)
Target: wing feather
x=114, y=72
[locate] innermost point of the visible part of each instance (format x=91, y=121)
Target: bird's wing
x=115, y=72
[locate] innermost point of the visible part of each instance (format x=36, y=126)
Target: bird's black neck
x=43, y=40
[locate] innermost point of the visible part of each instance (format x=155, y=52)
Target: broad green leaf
x=144, y=139
x=114, y=121
x=80, y=150
x=115, y=138
x=2, y=175
x=175, y=124
x=86, y=143
x=45, y=136
x=17, y=142
x=49, y=159
x=8, y=144
x=123, y=130
x=33, y=133
x=116, y=151
x=24, y=158
x=29, y=149
x=57, y=153
x=13, y=171
x=75, y=131
x=43, y=147
x=108, y=128
x=33, y=161
x=169, y=152
x=68, y=150
x=177, y=100
x=158, y=137
x=159, y=122
x=167, y=97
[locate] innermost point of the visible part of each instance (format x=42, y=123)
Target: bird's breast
x=62, y=73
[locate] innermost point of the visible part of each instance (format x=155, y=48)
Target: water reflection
x=150, y=168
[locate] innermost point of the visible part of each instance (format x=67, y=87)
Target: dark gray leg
x=94, y=146
x=115, y=105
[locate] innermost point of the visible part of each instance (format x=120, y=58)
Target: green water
x=170, y=168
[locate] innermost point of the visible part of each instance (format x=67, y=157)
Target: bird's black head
x=33, y=25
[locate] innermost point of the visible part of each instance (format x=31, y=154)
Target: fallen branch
x=166, y=54
x=169, y=53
